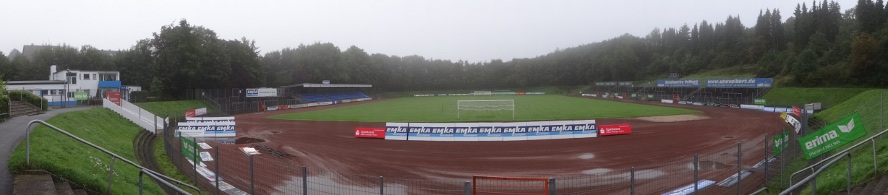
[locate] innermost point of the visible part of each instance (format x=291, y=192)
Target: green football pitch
x=444, y=109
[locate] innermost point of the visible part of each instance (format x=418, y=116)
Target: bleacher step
x=34, y=184
x=63, y=188
x=880, y=187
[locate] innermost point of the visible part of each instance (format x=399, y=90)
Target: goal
x=509, y=185
x=485, y=105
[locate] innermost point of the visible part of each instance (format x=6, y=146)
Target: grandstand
x=238, y=101
x=714, y=92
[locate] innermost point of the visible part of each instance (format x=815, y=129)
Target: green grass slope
x=174, y=108
x=68, y=158
x=443, y=109
x=829, y=97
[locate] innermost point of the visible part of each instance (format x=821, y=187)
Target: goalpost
x=485, y=105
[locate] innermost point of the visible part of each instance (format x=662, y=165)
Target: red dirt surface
x=659, y=151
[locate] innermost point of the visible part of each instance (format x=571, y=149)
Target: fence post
x=218, y=172
x=304, y=181
x=632, y=180
x=194, y=159
x=696, y=168
x=468, y=188
x=782, y=157
x=140, y=181
x=767, y=157
x=814, y=185
x=381, y=185
x=848, y=188
x=111, y=174
x=875, y=165
x=252, y=191
x=552, y=186
x=739, y=168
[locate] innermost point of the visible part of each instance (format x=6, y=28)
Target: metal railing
x=832, y=160
x=113, y=157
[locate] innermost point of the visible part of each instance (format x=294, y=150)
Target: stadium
x=312, y=145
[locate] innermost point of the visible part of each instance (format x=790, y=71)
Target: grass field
x=443, y=109
x=174, y=108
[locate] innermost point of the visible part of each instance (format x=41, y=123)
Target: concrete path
x=12, y=132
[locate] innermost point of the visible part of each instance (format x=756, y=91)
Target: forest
x=818, y=44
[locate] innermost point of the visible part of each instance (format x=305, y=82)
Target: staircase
x=19, y=108
x=42, y=183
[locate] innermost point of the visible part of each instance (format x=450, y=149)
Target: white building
x=62, y=84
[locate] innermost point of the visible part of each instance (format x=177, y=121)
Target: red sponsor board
x=113, y=96
x=364, y=132
x=189, y=113
x=615, y=129
x=797, y=111
x=283, y=107
x=519, y=93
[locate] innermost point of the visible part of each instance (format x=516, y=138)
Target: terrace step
x=20, y=108
x=34, y=184
x=38, y=182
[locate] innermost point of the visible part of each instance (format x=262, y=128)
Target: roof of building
x=37, y=82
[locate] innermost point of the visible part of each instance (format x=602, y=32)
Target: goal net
x=509, y=185
x=484, y=105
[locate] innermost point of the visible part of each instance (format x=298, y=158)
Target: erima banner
x=510, y=131
x=780, y=142
x=679, y=83
x=832, y=136
x=740, y=83
x=262, y=92
x=189, y=149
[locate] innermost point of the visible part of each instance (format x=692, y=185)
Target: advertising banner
x=796, y=125
x=758, y=101
x=261, y=92
x=605, y=84
x=208, y=127
x=689, y=189
x=510, y=131
x=200, y=111
x=366, y=132
x=113, y=96
x=189, y=113
x=740, y=83
x=780, y=141
x=679, y=83
x=832, y=136
x=614, y=129
x=797, y=111
x=189, y=149
x=80, y=95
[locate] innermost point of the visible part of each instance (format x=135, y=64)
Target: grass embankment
x=79, y=163
x=174, y=108
x=869, y=105
x=828, y=97
x=444, y=109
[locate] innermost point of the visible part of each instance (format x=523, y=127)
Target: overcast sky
x=472, y=30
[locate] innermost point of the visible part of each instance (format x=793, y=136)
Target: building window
x=85, y=77
x=73, y=80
